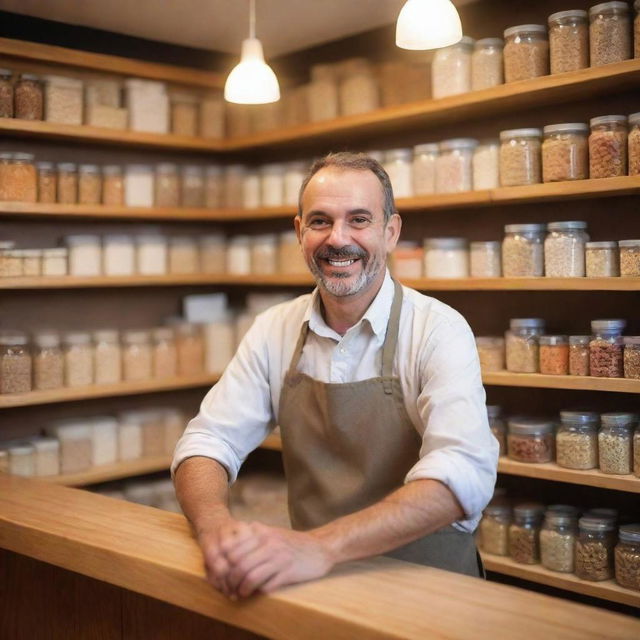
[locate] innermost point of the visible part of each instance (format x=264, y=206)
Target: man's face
x=342, y=232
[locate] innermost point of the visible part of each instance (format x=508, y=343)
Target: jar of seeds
x=108, y=356
x=579, y=355
x=602, y=259
x=627, y=557
x=595, y=549
x=606, y=349
x=15, y=363
x=568, y=41
x=67, y=186
x=609, y=33
x=485, y=259
x=632, y=357
x=6, y=94
x=522, y=344
x=494, y=529
x=89, y=184
x=615, y=442
x=486, y=63
x=557, y=541
x=524, y=533
x=112, y=185
x=577, y=440
x=523, y=250
x=78, y=359
x=636, y=451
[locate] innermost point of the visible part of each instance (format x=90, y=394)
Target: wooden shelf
x=607, y=589
x=537, y=380
x=273, y=442
x=524, y=284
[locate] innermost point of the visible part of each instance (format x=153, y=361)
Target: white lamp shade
x=252, y=80
x=428, y=24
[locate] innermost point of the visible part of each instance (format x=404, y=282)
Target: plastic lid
x=618, y=419
x=55, y=252
x=136, y=336
x=7, y=244
x=525, y=28
x=21, y=449
x=151, y=238
x=427, y=147
x=465, y=41
x=458, y=143
x=563, y=508
x=193, y=170
x=489, y=340
x=13, y=338
x=445, y=243
x=106, y=335
x=398, y=154
x=235, y=169
x=579, y=340
x=30, y=76
x=526, y=323
x=582, y=127
x=608, y=6
x=631, y=340
x=579, y=418
x=571, y=13
x=213, y=238
x=530, y=426
x=629, y=243
x=139, y=168
x=634, y=118
x=182, y=240
x=88, y=168
x=525, y=228
x=489, y=42
x=77, y=337
x=6, y=155
x=112, y=169
x=497, y=510
x=67, y=166
x=213, y=170
x=560, y=518
x=23, y=157
x=553, y=340
x=590, y=523
x=74, y=83
x=568, y=224
x=529, y=510
x=529, y=132
x=117, y=238
x=5, y=72
x=104, y=422
x=82, y=239
x=607, y=120
x=494, y=410
x=296, y=165
x=602, y=244
x=485, y=244
x=44, y=165
x=608, y=325
x=630, y=532
x=47, y=339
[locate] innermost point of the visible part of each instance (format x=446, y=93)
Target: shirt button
x=343, y=350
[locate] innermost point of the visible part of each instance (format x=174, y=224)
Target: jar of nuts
x=526, y=52
x=564, y=249
x=523, y=250
x=491, y=353
x=577, y=440
x=568, y=41
x=497, y=426
x=451, y=69
x=494, y=529
x=608, y=147
x=606, y=349
x=595, y=548
x=485, y=259
x=602, y=259
x=486, y=63
x=524, y=533
x=520, y=157
x=554, y=355
x=530, y=440
x=634, y=144
x=615, y=442
x=557, y=541
x=565, y=153
x=629, y=258
x=632, y=357
x=609, y=33
x=627, y=557
x=522, y=344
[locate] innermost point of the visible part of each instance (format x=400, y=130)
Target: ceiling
x=282, y=25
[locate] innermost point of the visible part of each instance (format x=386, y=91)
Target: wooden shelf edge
x=273, y=442
x=538, y=380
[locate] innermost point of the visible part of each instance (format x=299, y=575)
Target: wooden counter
x=135, y=572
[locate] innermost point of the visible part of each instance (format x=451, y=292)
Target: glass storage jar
x=290, y=259
x=522, y=344
x=615, y=442
x=78, y=359
x=18, y=179
x=579, y=355
x=358, y=88
x=498, y=427
x=67, y=186
x=213, y=187
x=627, y=557
x=487, y=64
x=454, y=171
x=166, y=186
x=446, y=258
x=190, y=349
x=609, y=33
x=6, y=94
x=107, y=356
x=232, y=185
x=55, y=262
x=530, y=440
x=491, y=353
x=85, y=255
x=424, y=168
x=46, y=182
x=264, y=253
x=494, y=529
x=213, y=253
x=239, y=255
x=520, y=157
x=632, y=357
x=165, y=355
x=183, y=255
x=21, y=459
x=192, y=190
x=63, y=99
x=634, y=144
x=565, y=153
x=451, y=69
x=28, y=97
x=629, y=258
x=272, y=185
x=251, y=190
x=48, y=361
x=568, y=41
x=486, y=165
x=184, y=114
x=602, y=259
x=558, y=540
x=554, y=355
x=294, y=174
x=523, y=250
x=15, y=362
x=89, y=184
x=151, y=254
x=112, y=185
x=524, y=533
x=608, y=147
x=323, y=93
x=31, y=262
x=398, y=164
x=136, y=356
x=564, y=249
x=606, y=349
x=485, y=259
x=526, y=52
x=46, y=456
x=118, y=255
x=577, y=440
x=595, y=549
x=407, y=259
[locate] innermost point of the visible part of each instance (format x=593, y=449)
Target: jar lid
x=272, y=168
x=445, y=243
x=63, y=81
x=77, y=337
x=163, y=333
x=529, y=132
x=139, y=168
x=494, y=410
x=485, y=244
x=608, y=6
x=529, y=510
x=188, y=240
x=525, y=28
x=582, y=127
x=13, y=338
x=590, y=523
x=111, y=169
x=629, y=243
x=240, y=240
x=136, y=336
x=560, y=518
x=466, y=42
x=571, y=13
x=192, y=170
x=88, y=168
x=21, y=449
x=530, y=426
x=566, y=225
x=213, y=170
x=608, y=325
x=618, y=419
x=458, y=143
x=607, y=120
x=30, y=76
x=66, y=166
x=6, y=155
x=5, y=72
x=104, y=422
x=634, y=118
x=47, y=339
x=602, y=244
x=44, y=165
x=525, y=228
x=166, y=167
x=568, y=509
x=630, y=532
x=427, y=147
x=526, y=323
x=553, y=340
x=398, y=154
x=603, y=513
x=117, y=238
x=489, y=42
x=296, y=165
x=497, y=510
x=106, y=335
x=580, y=418
x=631, y=340
x=213, y=238
x=234, y=169
x=579, y=340
x=489, y=340
x=55, y=252
x=23, y=157
x=82, y=239
x=264, y=238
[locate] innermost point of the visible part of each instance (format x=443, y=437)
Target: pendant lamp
x=252, y=81
x=428, y=24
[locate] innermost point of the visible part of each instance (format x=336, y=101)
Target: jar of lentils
x=627, y=557
x=595, y=549
x=568, y=41
x=520, y=157
x=629, y=258
x=602, y=259
x=524, y=533
x=565, y=152
x=486, y=63
x=530, y=440
x=564, y=249
x=609, y=33
x=608, y=147
x=523, y=250
x=424, y=168
x=558, y=540
x=577, y=440
x=498, y=427
x=526, y=52
x=485, y=259
x=522, y=344
x=494, y=529
x=554, y=355
x=606, y=349
x=615, y=442
x=454, y=165
x=634, y=144
x=632, y=357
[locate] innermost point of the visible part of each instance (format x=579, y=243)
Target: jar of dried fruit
x=554, y=355
x=577, y=440
x=594, y=549
x=602, y=259
x=530, y=440
x=523, y=250
x=627, y=557
x=606, y=349
x=524, y=533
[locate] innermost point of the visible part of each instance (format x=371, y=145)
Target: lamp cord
x=252, y=18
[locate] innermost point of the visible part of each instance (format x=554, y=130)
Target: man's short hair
x=349, y=160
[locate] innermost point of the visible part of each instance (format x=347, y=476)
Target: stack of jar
x=273, y=185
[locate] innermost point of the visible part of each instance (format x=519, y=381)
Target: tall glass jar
x=15, y=362
x=446, y=258
x=190, y=349
x=558, y=540
x=398, y=164
x=486, y=63
x=485, y=259
x=522, y=344
x=494, y=529
x=67, y=186
x=251, y=197
x=579, y=355
x=602, y=259
x=323, y=93
x=526, y=52
x=486, y=165
x=136, y=355
x=632, y=357
x=78, y=359
x=48, y=361
x=606, y=349
x=213, y=187
x=112, y=185
x=609, y=33
x=554, y=355
x=608, y=147
x=165, y=355
x=184, y=257
x=107, y=356
x=577, y=440
x=358, y=89
x=272, y=185
x=166, y=186
x=454, y=171
x=232, y=187
x=568, y=41
x=627, y=557
x=634, y=144
x=629, y=258
x=595, y=549
x=46, y=182
x=524, y=533
x=615, y=442
x=424, y=168
x=28, y=98
x=498, y=427
x=520, y=157
x=565, y=152
x=6, y=94
x=530, y=440
x=564, y=249
x=451, y=69
x=264, y=253
x=192, y=186
x=19, y=181
x=523, y=250
x=491, y=353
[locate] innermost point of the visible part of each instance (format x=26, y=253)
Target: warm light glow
x=252, y=81
x=428, y=24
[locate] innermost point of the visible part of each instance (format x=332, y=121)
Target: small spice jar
x=602, y=259
x=606, y=349
x=634, y=144
x=192, y=186
x=424, y=168
x=522, y=344
x=166, y=186
x=595, y=549
x=564, y=249
x=530, y=440
x=446, y=258
x=524, y=533
x=107, y=356
x=451, y=69
x=632, y=357
x=568, y=40
x=609, y=33
x=272, y=185
x=554, y=355
x=565, y=152
x=213, y=187
x=89, y=184
x=615, y=442
x=136, y=356
x=454, y=172
x=520, y=157
x=398, y=164
x=608, y=147
x=48, y=361
x=486, y=165
x=55, y=262
x=627, y=557
x=558, y=540
x=577, y=440
x=491, y=353
x=112, y=185
x=164, y=353
x=579, y=355
x=18, y=180
x=487, y=63
x=498, y=427
x=6, y=94
x=15, y=363
x=67, y=186
x=46, y=182
x=523, y=250
x=407, y=260
x=78, y=359
x=28, y=98
x=629, y=258
x=485, y=259
x=494, y=529
x=526, y=52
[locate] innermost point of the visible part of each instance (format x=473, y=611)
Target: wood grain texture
x=538, y=380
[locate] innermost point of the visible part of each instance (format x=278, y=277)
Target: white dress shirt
x=436, y=361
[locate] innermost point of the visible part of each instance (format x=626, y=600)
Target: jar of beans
x=526, y=52
x=485, y=259
x=558, y=540
x=498, y=427
x=15, y=363
x=629, y=258
x=606, y=348
x=554, y=355
x=602, y=259
x=524, y=533
x=595, y=548
x=615, y=442
x=568, y=41
x=565, y=153
x=491, y=353
x=608, y=147
x=6, y=94
x=577, y=440
x=609, y=33
x=28, y=97
x=632, y=357
x=494, y=529
x=579, y=355
x=530, y=440
x=486, y=63
x=523, y=250
x=522, y=344
x=520, y=157
x=634, y=144
x=627, y=557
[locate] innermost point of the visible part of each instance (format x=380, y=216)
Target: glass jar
x=602, y=259
x=15, y=363
x=520, y=157
x=28, y=98
x=184, y=114
x=407, y=260
x=118, y=255
x=558, y=540
x=627, y=557
x=487, y=64
x=213, y=187
x=46, y=456
x=522, y=344
x=629, y=258
x=398, y=164
x=89, y=184
x=112, y=185
x=67, y=186
x=46, y=182
x=451, y=69
x=632, y=357
x=564, y=249
x=424, y=168
x=636, y=452
x=554, y=355
x=358, y=88
x=486, y=165
x=494, y=530
x=579, y=355
x=151, y=255
x=48, y=361
x=523, y=250
x=6, y=94
x=524, y=533
x=636, y=30
x=608, y=147
x=190, y=349
x=239, y=255
x=606, y=349
x=633, y=144
x=192, y=186
x=165, y=355
x=18, y=179
x=63, y=99
x=78, y=359
x=530, y=440
x=491, y=353
x=323, y=93
x=272, y=185
x=21, y=459
x=446, y=258
x=8, y=268
x=251, y=190
x=85, y=255
x=609, y=33
x=485, y=259
x=454, y=171
x=615, y=442
x=568, y=41
x=213, y=253
x=55, y=262
x=136, y=356
x=31, y=262
x=294, y=174
x=264, y=253
x=166, y=191
x=107, y=357
x=595, y=549
x=183, y=255
x=565, y=153
x=577, y=440
x=526, y=52
x=233, y=175
x=498, y=428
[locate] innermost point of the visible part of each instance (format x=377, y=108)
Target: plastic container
x=615, y=442
x=107, y=357
x=220, y=343
x=46, y=182
x=166, y=186
x=579, y=355
x=190, y=348
x=18, y=179
x=213, y=253
x=564, y=249
x=451, y=69
x=55, y=262
x=398, y=164
x=63, y=100
x=28, y=97
x=446, y=258
x=568, y=41
x=15, y=363
x=498, y=427
x=104, y=437
x=627, y=557
x=148, y=105
x=633, y=143
x=609, y=33
x=485, y=259
x=636, y=452
x=31, y=262
x=138, y=185
x=136, y=356
x=78, y=359
x=358, y=88
x=118, y=255
x=251, y=196
x=48, y=361
x=164, y=353
x=523, y=250
x=21, y=459
x=264, y=253
x=424, y=168
x=486, y=165
x=454, y=165
x=407, y=260
x=151, y=254
x=522, y=342
x=183, y=255
x=565, y=152
x=212, y=108
x=184, y=114
x=606, y=349
x=46, y=456
x=272, y=185
x=494, y=529
x=233, y=178
x=112, y=185
x=554, y=355
x=193, y=186
x=558, y=540
x=322, y=93
x=520, y=157
x=67, y=186
x=530, y=440
x=608, y=147
x=577, y=440
x=526, y=52
x=487, y=63
x=239, y=255
x=6, y=94
x=594, y=556
x=602, y=259
x=294, y=174
x=629, y=258
x=129, y=436
x=491, y=353
x=213, y=187
x=524, y=533
x=76, y=445
x=632, y=357
x=85, y=255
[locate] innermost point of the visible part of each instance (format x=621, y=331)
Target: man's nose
x=339, y=236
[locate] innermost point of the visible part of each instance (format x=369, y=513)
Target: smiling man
x=378, y=394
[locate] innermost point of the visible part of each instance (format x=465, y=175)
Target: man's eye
x=359, y=221
x=317, y=223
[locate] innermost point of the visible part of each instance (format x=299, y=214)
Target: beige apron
x=347, y=446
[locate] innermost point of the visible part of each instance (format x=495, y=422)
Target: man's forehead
x=335, y=182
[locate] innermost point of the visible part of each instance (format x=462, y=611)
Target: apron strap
x=297, y=352
x=391, y=338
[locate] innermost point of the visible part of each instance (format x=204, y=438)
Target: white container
x=424, y=168
x=213, y=253
x=251, y=196
x=151, y=254
x=138, y=185
x=183, y=255
x=486, y=165
x=21, y=459
x=107, y=357
x=55, y=261
x=487, y=64
x=294, y=174
x=63, y=102
x=485, y=259
x=454, y=165
x=272, y=185
x=78, y=359
x=446, y=258
x=104, y=434
x=76, y=444
x=399, y=164
x=239, y=255
x=148, y=105
x=129, y=436
x=118, y=255
x=85, y=255
x=451, y=69
x=46, y=456
x=219, y=344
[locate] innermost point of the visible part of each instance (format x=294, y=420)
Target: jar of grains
x=190, y=349
x=424, y=168
x=6, y=94
x=520, y=157
x=634, y=144
x=595, y=549
x=608, y=147
x=213, y=186
x=522, y=344
x=398, y=164
x=486, y=165
x=184, y=257
x=15, y=362
x=602, y=259
x=232, y=187
x=523, y=250
x=136, y=355
x=251, y=190
x=530, y=440
x=498, y=427
x=446, y=258
x=491, y=353
x=494, y=529
x=239, y=255
x=558, y=540
x=609, y=33
x=627, y=557
x=615, y=442
x=454, y=165
x=636, y=30
x=108, y=356
x=577, y=440
x=565, y=153
x=78, y=359
x=451, y=69
x=46, y=182
x=48, y=361
x=67, y=186
x=294, y=174
x=192, y=186
x=526, y=52
x=636, y=451
x=524, y=533
x=213, y=253
x=323, y=93
x=632, y=357
x=554, y=355
x=606, y=349
x=564, y=249
x=579, y=355
x=166, y=192
x=272, y=185
x=18, y=179
x=486, y=63
x=112, y=185
x=28, y=98
x=568, y=41
x=629, y=258
x=165, y=355
x=358, y=88
x=407, y=260
x=264, y=253
x=485, y=259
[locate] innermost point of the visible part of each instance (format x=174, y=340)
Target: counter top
x=151, y=552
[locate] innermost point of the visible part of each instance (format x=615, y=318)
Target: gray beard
x=343, y=289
